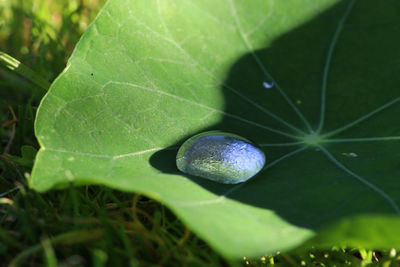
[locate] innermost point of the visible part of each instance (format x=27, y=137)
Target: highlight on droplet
x=268, y=85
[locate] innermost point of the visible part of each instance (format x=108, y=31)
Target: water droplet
x=351, y=155
x=268, y=85
x=222, y=157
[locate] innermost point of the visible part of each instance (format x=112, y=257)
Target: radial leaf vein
x=96, y=155
x=281, y=144
x=331, y=49
x=143, y=152
x=157, y=91
x=264, y=110
x=361, y=139
x=273, y=163
x=373, y=187
x=222, y=198
x=362, y=118
x=208, y=73
x=263, y=68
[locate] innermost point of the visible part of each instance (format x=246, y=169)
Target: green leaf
x=149, y=74
x=342, y=233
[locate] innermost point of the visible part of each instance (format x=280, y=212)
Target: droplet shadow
x=165, y=161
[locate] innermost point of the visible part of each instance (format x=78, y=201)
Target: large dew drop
x=222, y=157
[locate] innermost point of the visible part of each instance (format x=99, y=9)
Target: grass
x=91, y=225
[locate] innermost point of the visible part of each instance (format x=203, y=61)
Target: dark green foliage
x=81, y=224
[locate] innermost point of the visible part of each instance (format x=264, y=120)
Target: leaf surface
x=149, y=74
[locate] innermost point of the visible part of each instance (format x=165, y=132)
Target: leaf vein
x=250, y=49
x=362, y=118
x=373, y=187
x=331, y=49
x=205, y=107
x=196, y=63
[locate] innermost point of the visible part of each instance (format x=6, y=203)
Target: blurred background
x=41, y=34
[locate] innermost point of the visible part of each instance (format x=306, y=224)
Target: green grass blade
x=16, y=66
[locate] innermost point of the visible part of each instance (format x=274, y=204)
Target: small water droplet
x=351, y=155
x=268, y=85
x=222, y=157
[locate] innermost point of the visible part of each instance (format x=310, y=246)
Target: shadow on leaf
x=307, y=189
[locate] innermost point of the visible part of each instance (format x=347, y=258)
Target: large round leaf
x=148, y=74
